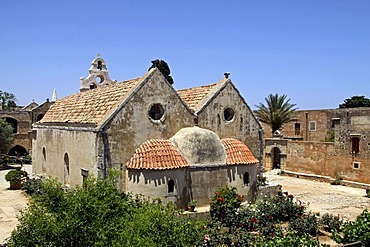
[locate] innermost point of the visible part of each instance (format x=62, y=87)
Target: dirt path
x=11, y=202
x=323, y=197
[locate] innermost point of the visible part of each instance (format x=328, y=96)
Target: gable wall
x=243, y=127
x=132, y=125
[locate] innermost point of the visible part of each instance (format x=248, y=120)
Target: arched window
x=171, y=186
x=43, y=167
x=66, y=169
x=39, y=117
x=12, y=122
x=246, y=178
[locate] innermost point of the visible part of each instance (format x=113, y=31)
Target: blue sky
x=316, y=52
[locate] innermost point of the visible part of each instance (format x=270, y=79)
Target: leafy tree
x=7, y=100
x=355, y=101
x=6, y=136
x=164, y=68
x=277, y=112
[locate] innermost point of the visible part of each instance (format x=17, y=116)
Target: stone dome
x=200, y=146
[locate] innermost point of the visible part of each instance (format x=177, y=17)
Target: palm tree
x=277, y=112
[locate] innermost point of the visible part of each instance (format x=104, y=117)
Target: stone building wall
x=243, y=126
x=324, y=158
x=132, y=125
x=59, y=149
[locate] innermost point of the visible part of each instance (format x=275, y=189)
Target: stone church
x=177, y=145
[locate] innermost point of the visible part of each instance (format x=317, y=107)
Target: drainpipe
x=260, y=137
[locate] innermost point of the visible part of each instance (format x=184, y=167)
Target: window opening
x=355, y=145
x=356, y=165
x=171, y=186
x=156, y=112
x=99, y=65
x=39, y=117
x=12, y=122
x=228, y=114
x=246, y=178
x=297, y=129
x=66, y=169
x=312, y=126
x=241, y=123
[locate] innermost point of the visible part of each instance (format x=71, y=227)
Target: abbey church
x=178, y=145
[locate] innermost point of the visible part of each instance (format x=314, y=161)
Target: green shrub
x=15, y=176
x=27, y=159
x=359, y=230
x=226, y=201
x=100, y=215
x=331, y=222
x=307, y=224
x=33, y=186
x=337, y=181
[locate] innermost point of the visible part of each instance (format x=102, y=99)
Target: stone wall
x=325, y=159
x=243, y=126
x=54, y=146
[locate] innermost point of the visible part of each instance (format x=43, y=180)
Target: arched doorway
x=12, y=122
x=17, y=149
x=276, y=161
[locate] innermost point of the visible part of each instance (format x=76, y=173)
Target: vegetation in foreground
x=99, y=215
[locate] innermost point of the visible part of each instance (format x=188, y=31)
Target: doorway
x=276, y=161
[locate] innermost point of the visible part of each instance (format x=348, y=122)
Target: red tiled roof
x=194, y=96
x=237, y=153
x=90, y=106
x=157, y=154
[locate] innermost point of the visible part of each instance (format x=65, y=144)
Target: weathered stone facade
x=346, y=155
x=21, y=119
x=108, y=125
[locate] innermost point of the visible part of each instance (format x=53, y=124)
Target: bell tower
x=98, y=75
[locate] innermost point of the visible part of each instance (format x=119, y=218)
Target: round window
x=228, y=114
x=99, y=79
x=156, y=112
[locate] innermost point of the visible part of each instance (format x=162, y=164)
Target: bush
x=33, y=186
x=331, y=222
x=337, y=181
x=225, y=202
x=27, y=159
x=359, y=230
x=15, y=176
x=307, y=224
x=100, y=215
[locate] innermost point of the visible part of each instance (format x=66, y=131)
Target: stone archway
x=276, y=158
x=17, y=149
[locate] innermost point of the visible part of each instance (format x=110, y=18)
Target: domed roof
x=157, y=154
x=200, y=146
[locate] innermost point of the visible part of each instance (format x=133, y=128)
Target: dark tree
x=6, y=136
x=355, y=101
x=164, y=68
x=277, y=112
x=7, y=100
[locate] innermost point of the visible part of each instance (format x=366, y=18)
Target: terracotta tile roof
x=157, y=154
x=90, y=106
x=194, y=97
x=237, y=153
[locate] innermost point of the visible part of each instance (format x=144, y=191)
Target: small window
x=356, y=165
x=297, y=129
x=43, y=154
x=246, y=179
x=171, y=186
x=228, y=114
x=312, y=125
x=156, y=112
x=355, y=145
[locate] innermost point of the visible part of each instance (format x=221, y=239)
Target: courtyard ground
x=322, y=197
